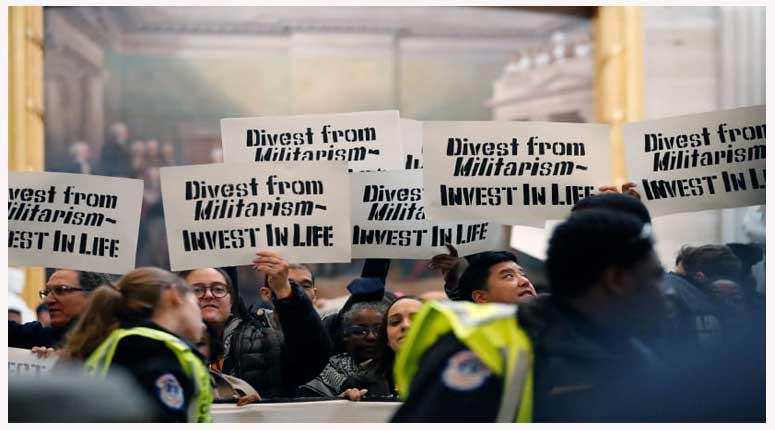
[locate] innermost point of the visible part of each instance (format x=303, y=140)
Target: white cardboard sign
x=411, y=142
x=366, y=140
x=221, y=214
x=511, y=172
x=688, y=163
x=23, y=362
x=389, y=220
x=74, y=221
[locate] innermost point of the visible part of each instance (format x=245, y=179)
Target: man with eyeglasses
x=300, y=274
x=66, y=294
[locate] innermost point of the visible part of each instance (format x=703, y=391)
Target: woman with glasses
x=147, y=325
x=274, y=352
x=360, y=328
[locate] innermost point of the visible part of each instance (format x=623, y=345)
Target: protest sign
x=389, y=220
x=366, y=140
x=697, y=162
x=411, y=142
x=511, y=172
x=23, y=362
x=221, y=214
x=80, y=222
x=306, y=411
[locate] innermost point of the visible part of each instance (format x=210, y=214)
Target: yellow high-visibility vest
x=492, y=333
x=99, y=362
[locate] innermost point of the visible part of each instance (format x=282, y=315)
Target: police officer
x=148, y=325
x=564, y=357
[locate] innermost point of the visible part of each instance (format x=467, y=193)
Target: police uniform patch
x=465, y=372
x=169, y=391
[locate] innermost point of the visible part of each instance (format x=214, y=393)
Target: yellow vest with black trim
x=99, y=362
x=492, y=333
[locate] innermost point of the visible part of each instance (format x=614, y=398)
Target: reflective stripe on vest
x=99, y=362
x=491, y=332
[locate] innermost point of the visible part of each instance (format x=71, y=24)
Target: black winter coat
x=277, y=351
x=33, y=334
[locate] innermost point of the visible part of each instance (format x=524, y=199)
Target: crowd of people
x=615, y=338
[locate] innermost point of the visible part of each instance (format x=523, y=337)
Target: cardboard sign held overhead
x=411, y=141
x=389, y=220
x=712, y=160
x=366, y=140
x=73, y=221
x=220, y=214
x=511, y=172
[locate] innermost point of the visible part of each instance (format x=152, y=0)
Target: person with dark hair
x=696, y=314
x=360, y=326
x=42, y=315
x=275, y=352
x=65, y=296
x=362, y=290
x=377, y=376
x=750, y=255
x=708, y=262
x=493, y=277
x=15, y=315
x=302, y=275
x=147, y=325
x=564, y=357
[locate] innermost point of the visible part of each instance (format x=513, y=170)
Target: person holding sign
x=65, y=295
x=148, y=325
x=273, y=352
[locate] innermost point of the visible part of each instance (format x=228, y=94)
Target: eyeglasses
x=217, y=289
x=362, y=330
x=58, y=290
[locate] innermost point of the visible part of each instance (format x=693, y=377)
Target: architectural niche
x=554, y=84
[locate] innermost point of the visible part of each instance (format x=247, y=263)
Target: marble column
x=741, y=81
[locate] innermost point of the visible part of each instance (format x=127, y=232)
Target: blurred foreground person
x=571, y=356
x=65, y=296
x=627, y=202
x=376, y=380
x=65, y=396
x=274, y=352
x=148, y=325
